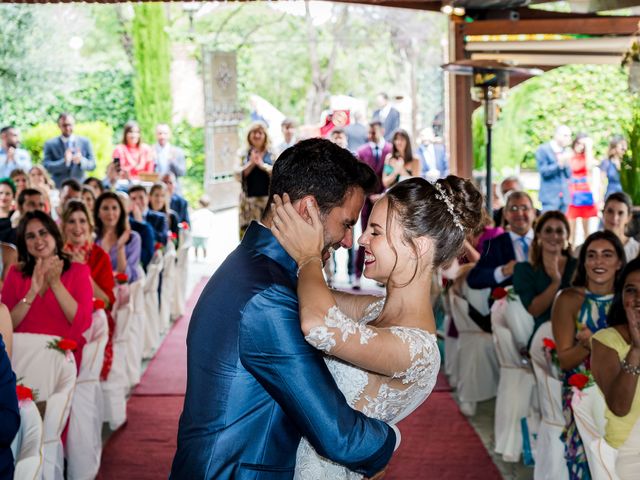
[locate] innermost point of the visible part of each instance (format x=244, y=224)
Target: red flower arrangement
x=499, y=293
x=173, y=235
x=121, y=278
x=549, y=343
x=98, y=304
x=158, y=246
x=63, y=345
x=580, y=380
x=24, y=393
x=184, y=225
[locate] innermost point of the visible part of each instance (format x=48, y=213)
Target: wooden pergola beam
x=431, y=5
x=599, y=25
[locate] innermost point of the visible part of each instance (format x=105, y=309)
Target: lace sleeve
x=397, y=352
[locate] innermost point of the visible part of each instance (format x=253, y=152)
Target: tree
x=152, y=63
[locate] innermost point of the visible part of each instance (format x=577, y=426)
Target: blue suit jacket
x=181, y=207
x=159, y=224
x=147, y=241
x=496, y=252
x=9, y=413
x=54, y=160
x=391, y=122
x=554, y=181
x=255, y=387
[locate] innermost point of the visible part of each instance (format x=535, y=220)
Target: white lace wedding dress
x=387, y=398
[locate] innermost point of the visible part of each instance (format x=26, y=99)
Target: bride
x=381, y=351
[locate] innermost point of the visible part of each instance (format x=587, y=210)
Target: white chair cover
x=152, y=326
x=516, y=388
x=478, y=369
x=450, y=353
x=550, y=463
x=116, y=386
x=588, y=410
x=167, y=289
x=53, y=375
x=135, y=342
x=178, y=305
x=519, y=321
x=27, y=445
x=84, y=437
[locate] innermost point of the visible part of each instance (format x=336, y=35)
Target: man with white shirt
x=169, y=158
x=68, y=155
x=434, y=163
x=388, y=116
x=288, y=127
x=552, y=160
x=11, y=156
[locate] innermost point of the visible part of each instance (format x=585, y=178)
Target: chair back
x=27, y=445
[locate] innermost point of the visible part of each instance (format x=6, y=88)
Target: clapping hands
x=46, y=273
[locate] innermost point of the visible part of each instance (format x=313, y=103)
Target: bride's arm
x=354, y=305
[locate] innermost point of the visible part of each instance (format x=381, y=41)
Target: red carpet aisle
x=144, y=447
x=437, y=441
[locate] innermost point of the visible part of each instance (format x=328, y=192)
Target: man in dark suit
x=500, y=254
x=140, y=212
x=552, y=160
x=9, y=413
x=373, y=154
x=357, y=132
x=255, y=387
x=388, y=116
x=68, y=156
x=178, y=204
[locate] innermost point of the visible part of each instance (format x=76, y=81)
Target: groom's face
x=339, y=222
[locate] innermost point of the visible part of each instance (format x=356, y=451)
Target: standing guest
x=77, y=228
x=89, y=199
x=132, y=156
x=11, y=155
x=169, y=158
x=255, y=175
x=357, y=132
x=577, y=314
x=400, y=164
x=388, y=116
x=434, y=163
x=9, y=413
x=141, y=213
x=288, y=127
x=202, y=226
x=615, y=364
x=177, y=203
x=582, y=206
x=114, y=235
x=7, y=196
x=94, y=183
x=552, y=160
x=158, y=202
x=373, y=154
x=610, y=166
x=47, y=292
x=20, y=179
x=550, y=268
x=68, y=155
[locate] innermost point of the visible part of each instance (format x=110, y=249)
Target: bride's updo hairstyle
x=444, y=211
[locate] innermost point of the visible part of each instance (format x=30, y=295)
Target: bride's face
x=380, y=259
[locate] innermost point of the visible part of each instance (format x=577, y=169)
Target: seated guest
x=40, y=180
x=70, y=189
x=550, y=267
x=577, y=313
x=142, y=213
x=158, y=200
x=9, y=413
x=8, y=257
x=11, y=155
x=29, y=200
x=178, y=204
x=132, y=156
x=615, y=364
x=114, y=235
x=77, y=228
x=20, y=180
x=89, y=199
x=94, y=183
x=6, y=328
x=68, y=155
x=7, y=195
x=47, y=292
x=147, y=236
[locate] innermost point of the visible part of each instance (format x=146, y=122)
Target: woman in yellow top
x=615, y=364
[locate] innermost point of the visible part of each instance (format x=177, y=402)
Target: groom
x=254, y=386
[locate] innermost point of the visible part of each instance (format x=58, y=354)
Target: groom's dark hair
x=320, y=168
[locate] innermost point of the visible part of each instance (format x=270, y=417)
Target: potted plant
x=630, y=168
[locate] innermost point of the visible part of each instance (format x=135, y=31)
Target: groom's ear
x=301, y=207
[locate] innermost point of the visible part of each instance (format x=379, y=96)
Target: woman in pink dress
x=583, y=205
x=132, y=155
x=46, y=292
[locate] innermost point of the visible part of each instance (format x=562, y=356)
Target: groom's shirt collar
x=259, y=238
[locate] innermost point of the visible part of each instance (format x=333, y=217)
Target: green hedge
x=99, y=133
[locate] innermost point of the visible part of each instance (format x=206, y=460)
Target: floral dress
x=387, y=398
x=593, y=315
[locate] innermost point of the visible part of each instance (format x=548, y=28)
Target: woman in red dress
x=582, y=206
x=133, y=155
x=77, y=228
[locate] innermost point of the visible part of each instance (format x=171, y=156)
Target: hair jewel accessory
x=442, y=195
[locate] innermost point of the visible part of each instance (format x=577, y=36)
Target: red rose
x=549, y=343
x=24, y=393
x=67, y=344
x=158, y=246
x=98, y=304
x=499, y=293
x=184, y=225
x=121, y=278
x=578, y=380
x=173, y=235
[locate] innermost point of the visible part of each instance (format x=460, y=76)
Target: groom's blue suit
x=255, y=387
